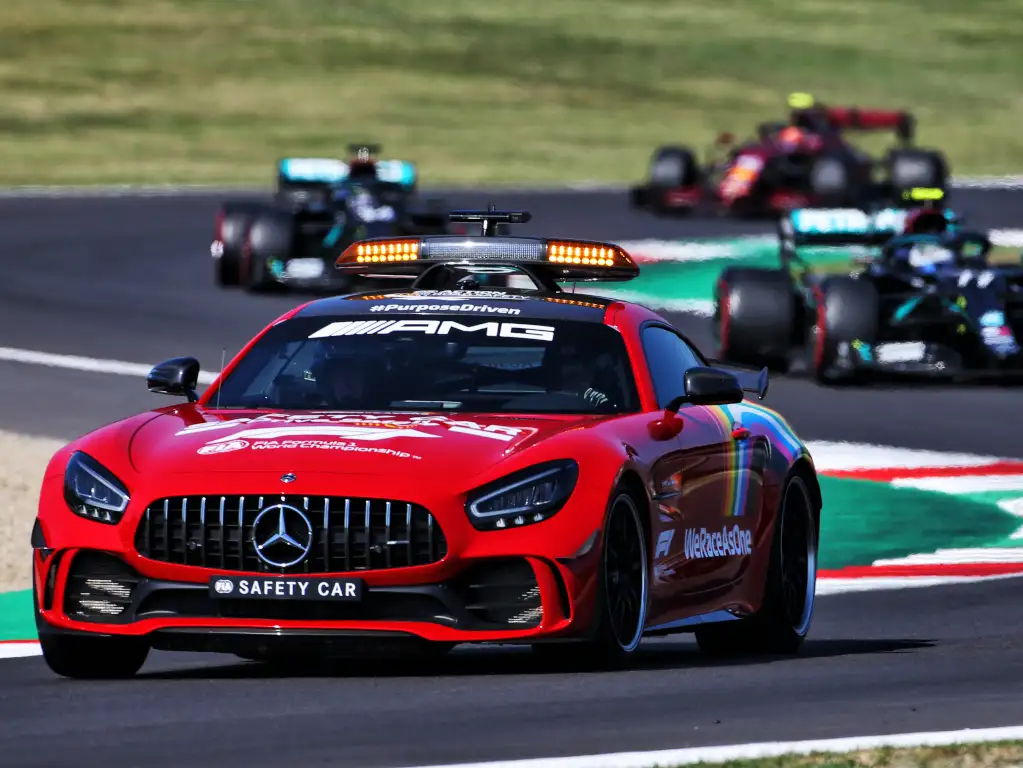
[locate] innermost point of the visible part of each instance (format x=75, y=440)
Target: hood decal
x=203, y=441
x=338, y=432
x=313, y=430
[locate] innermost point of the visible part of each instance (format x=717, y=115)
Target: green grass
x=984, y=755
x=211, y=91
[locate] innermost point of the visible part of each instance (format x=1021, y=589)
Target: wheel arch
x=632, y=483
x=804, y=470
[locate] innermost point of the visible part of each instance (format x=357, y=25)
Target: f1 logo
x=664, y=543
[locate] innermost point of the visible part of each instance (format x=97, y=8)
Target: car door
x=692, y=494
x=736, y=521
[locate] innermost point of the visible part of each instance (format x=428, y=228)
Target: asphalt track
x=131, y=279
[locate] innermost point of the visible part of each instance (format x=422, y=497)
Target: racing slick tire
x=910, y=167
x=623, y=593
x=670, y=167
x=673, y=167
x=783, y=621
x=847, y=312
x=93, y=658
x=233, y=222
x=269, y=238
x=755, y=317
x=835, y=181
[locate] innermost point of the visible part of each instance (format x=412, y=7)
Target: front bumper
x=491, y=599
x=477, y=592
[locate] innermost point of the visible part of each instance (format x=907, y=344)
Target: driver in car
x=347, y=379
x=577, y=371
x=923, y=257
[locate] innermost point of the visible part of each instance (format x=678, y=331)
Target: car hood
x=192, y=440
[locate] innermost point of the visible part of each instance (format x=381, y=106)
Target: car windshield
x=444, y=362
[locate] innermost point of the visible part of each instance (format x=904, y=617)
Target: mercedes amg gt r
x=460, y=461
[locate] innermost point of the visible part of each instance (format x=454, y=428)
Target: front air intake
x=99, y=588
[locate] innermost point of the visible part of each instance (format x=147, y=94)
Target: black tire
x=783, y=621
x=848, y=311
x=834, y=178
x=270, y=236
x=755, y=317
x=673, y=167
x=909, y=168
x=93, y=658
x=233, y=222
x=623, y=593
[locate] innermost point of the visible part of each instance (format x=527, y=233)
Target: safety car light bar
x=565, y=260
x=557, y=259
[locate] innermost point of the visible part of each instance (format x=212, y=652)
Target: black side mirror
x=708, y=386
x=177, y=376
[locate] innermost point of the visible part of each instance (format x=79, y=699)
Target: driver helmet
x=362, y=163
x=926, y=256
x=924, y=221
x=345, y=373
x=800, y=101
x=792, y=138
x=576, y=367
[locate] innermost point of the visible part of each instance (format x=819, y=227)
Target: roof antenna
x=223, y=356
x=486, y=222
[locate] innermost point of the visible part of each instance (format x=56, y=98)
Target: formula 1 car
x=442, y=464
x=320, y=207
x=926, y=304
x=808, y=163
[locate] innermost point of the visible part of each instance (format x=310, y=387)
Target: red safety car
x=458, y=461
x=808, y=162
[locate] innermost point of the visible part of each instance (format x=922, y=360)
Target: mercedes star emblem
x=288, y=478
x=282, y=535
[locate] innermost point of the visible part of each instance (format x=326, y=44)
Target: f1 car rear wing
x=545, y=261
x=857, y=226
x=323, y=170
x=840, y=226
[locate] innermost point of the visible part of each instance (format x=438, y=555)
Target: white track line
x=20, y=649
x=90, y=364
x=669, y=757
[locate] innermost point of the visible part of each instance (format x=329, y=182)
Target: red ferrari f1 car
x=455, y=462
x=806, y=163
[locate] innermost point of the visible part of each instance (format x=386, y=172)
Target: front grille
x=348, y=534
x=99, y=588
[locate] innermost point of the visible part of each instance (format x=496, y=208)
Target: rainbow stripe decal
x=737, y=463
x=771, y=422
x=738, y=459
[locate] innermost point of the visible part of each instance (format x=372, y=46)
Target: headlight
x=92, y=492
x=525, y=497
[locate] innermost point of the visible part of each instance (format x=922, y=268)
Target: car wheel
x=229, y=235
x=754, y=317
x=622, y=595
x=848, y=313
x=782, y=623
x=93, y=658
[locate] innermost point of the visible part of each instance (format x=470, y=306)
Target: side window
x=668, y=357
